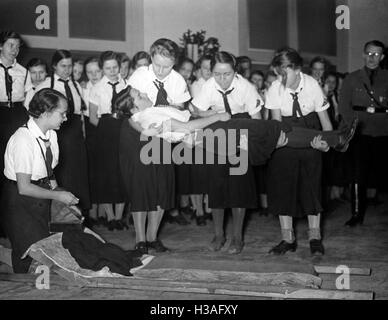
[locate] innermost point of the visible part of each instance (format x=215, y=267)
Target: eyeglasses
x=373, y=54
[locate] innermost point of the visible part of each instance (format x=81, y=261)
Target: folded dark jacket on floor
x=90, y=253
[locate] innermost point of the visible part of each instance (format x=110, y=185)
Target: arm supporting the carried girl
x=179, y=126
x=325, y=120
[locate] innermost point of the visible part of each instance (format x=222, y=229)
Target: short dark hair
x=332, y=74
x=59, y=55
x=124, y=58
x=205, y=57
x=183, y=61
x=244, y=59
x=256, y=72
x=375, y=43
x=124, y=103
x=166, y=48
x=287, y=57
x=34, y=62
x=320, y=59
x=92, y=59
x=79, y=61
x=270, y=73
x=109, y=55
x=223, y=57
x=45, y=100
x=9, y=34
x=138, y=56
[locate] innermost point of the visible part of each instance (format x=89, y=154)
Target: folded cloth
x=50, y=251
x=90, y=253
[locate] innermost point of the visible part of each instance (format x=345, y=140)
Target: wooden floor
x=362, y=247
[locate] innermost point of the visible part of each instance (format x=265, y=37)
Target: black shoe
x=187, y=211
x=111, y=225
x=130, y=220
x=141, y=247
x=208, y=216
x=119, y=225
x=374, y=201
x=179, y=219
x=201, y=220
x=283, y=247
x=355, y=220
x=124, y=224
x=102, y=221
x=263, y=212
x=316, y=247
x=157, y=245
x=346, y=136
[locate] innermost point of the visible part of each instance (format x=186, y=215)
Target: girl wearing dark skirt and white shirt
x=94, y=75
x=163, y=86
x=32, y=153
x=72, y=170
x=109, y=185
x=229, y=92
x=294, y=175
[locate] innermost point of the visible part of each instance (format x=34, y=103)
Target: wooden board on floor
x=271, y=279
x=278, y=292
x=333, y=270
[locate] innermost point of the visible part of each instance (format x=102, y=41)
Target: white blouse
x=243, y=98
x=101, y=94
x=310, y=97
x=174, y=84
x=21, y=82
x=59, y=86
x=23, y=154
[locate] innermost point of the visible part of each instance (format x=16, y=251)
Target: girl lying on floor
x=264, y=136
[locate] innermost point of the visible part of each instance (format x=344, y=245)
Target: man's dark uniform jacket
x=354, y=101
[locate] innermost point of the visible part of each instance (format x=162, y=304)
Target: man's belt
x=370, y=109
x=109, y=115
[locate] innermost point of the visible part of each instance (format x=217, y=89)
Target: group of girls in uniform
x=96, y=149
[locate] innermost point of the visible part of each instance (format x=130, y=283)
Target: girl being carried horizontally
x=173, y=125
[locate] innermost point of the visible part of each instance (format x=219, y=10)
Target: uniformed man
x=364, y=94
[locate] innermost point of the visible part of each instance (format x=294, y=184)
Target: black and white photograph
x=193, y=155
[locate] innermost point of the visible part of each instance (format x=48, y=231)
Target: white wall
x=171, y=18
x=368, y=21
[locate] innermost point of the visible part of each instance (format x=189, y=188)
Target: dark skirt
x=192, y=178
x=231, y=191
x=91, y=145
x=261, y=178
x=237, y=191
x=10, y=120
x=109, y=182
x=72, y=169
x=25, y=221
x=147, y=184
x=294, y=177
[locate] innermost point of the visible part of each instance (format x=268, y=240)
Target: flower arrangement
x=194, y=44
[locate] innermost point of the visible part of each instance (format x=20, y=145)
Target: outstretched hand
x=319, y=144
x=153, y=130
x=283, y=140
x=224, y=116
